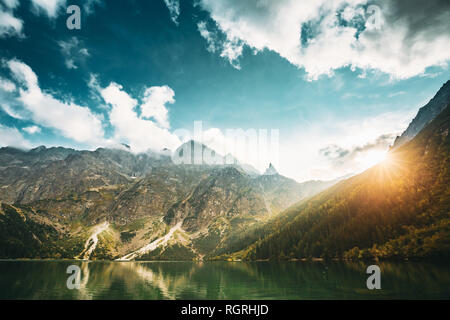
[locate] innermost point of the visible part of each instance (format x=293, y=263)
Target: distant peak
x=38, y=149
x=271, y=170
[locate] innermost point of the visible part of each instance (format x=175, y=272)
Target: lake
x=222, y=280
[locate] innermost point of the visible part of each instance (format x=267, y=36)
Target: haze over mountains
x=113, y=204
x=53, y=199
x=399, y=208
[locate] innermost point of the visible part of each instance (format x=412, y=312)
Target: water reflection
x=221, y=280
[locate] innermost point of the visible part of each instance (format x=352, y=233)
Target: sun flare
x=374, y=157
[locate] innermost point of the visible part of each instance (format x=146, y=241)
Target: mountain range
x=110, y=203
x=113, y=204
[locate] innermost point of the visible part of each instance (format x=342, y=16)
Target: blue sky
x=139, y=70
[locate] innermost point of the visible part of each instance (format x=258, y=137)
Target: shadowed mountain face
x=426, y=114
x=55, y=203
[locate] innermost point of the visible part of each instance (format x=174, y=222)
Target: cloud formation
x=49, y=7
x=228, y=48
x=154, y=104
x=149, y=130
x=400, y=38
x=12, y=137
x=9, y=24
x=32, y=129
x=11, y=3
x=174, y=9
x=209, y=36
x=340, y=147
x=71, y=120
x=129, y=128
x=341, y=156
x=73, y=52
x=7, y=85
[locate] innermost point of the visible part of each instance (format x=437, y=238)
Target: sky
x=337, y=79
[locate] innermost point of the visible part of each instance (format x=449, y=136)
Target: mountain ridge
x=425, y=114
x=66, y=196
x=397, y=210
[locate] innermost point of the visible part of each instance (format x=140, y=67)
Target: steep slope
x=282, y=192
x=57, y=172
x=225, y=193
x=426, y=114
x=110, y=203
x=24, y=233
x=399, y=208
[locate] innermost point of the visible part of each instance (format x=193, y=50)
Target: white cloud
x=50, y=7
x=395, y=94
x=139, y=133
x=350, y=13
x=11, y=4
x=73, y=52
x=11, y=137
x=304, y=160
x=230, y=48
x=53, y=7
x=79, y=123
x=12, y=112
x=71, y=120
x=93, y=84
x=329, y=44
x=32, y=129
x=7, y=85
x=174, y=9
x=9, y=24
x=208, y=35
x=154, y=104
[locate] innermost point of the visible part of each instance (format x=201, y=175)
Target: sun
x=374, y=157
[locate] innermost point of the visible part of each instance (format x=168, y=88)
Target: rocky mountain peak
x=271, y=170
x=38, y=149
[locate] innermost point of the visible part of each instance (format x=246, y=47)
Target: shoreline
x=316, y=260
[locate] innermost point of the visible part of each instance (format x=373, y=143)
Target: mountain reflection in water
x=221, y=280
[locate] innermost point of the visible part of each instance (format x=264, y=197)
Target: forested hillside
x=397, y=209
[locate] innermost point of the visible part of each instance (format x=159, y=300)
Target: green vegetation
x=105, y=247
x=126, y=236
x=169, y=253
x=22, y=235
x=397, y=209
x=209, y=242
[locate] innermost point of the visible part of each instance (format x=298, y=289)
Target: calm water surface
x=221, y=280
